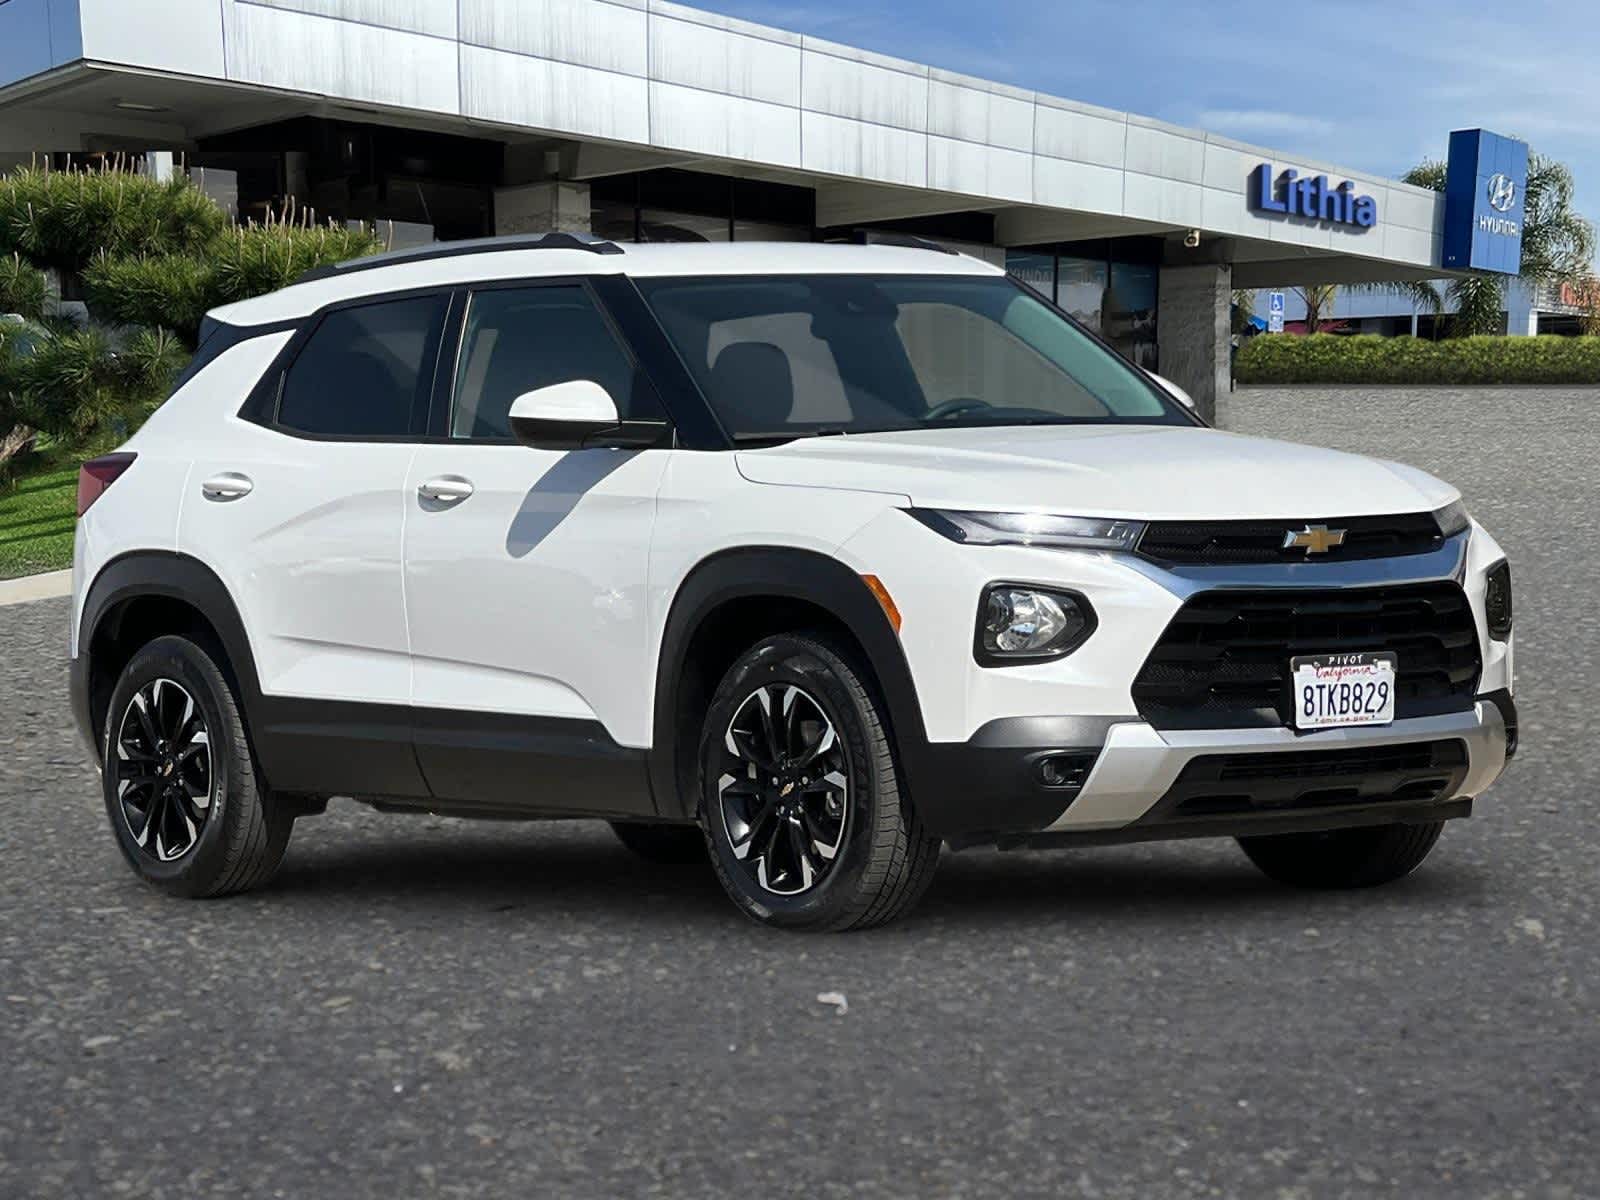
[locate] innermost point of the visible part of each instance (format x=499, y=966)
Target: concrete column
x=554, y=207
x=1192, y=330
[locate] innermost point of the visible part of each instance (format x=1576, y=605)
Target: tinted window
x=366, y=372
x=519, y=339
x=787, y=356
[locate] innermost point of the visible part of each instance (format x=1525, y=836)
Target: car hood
x=1138, y=471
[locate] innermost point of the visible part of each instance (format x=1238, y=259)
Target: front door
x=525, y=572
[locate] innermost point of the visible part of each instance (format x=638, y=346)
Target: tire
x=841, y=794
x=669, y=844
x=217, y=829
x=1343, y=858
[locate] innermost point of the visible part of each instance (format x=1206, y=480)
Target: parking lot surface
x=425, y=1007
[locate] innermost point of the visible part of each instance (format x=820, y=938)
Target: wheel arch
x=730, y=600
x=142, y=595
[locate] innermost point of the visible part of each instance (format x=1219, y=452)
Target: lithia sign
x=1311, y=198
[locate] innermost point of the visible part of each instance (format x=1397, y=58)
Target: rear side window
x=517, y=339
x=366, y=372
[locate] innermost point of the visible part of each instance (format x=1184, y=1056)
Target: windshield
x=788, y=356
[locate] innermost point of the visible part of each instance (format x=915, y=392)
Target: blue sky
x=1369, y=85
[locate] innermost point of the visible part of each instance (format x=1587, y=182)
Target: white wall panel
x=1081, y=186
x=1081, y=137
x=724, y=126
x=837, y=146
x=590, y=33
x=1225, y=212
x=187, y=39
x=1414, y=210
x=957, y=166
x=1407, y=245
x=341, y=58
x=979, y=116
x=1169, y=201
x=434, y=17
x=1168, y=155
x=867, y=93
x=514, y=89
x=719, y=61
x=1228, y=170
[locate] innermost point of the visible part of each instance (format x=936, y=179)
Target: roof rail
x=888, y=237
x=489, y=245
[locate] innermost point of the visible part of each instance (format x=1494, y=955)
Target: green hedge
x=1329, y=358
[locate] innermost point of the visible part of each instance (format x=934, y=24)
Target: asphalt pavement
x=426, y=1007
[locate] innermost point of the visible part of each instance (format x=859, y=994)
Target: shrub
x=1329, y=358
x=22, y=288
x=176, y=290
x=66, y=219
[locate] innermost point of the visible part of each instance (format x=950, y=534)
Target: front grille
x=1223, y=662
x=1217, y=785
x=1231, y=542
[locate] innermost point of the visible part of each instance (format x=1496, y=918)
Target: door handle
x=230, y=485
x=447, y=489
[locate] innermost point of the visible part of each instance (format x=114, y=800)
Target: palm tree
x=1318, y=299
x=1558, y=246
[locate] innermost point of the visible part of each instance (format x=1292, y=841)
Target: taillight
x=96, y=475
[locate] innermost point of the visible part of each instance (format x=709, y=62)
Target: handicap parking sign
x=1274, y=312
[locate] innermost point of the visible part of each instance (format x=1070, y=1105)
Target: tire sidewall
x=787, y=659
x=185, y=663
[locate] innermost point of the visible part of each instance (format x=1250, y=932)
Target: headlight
x=1019, y=623
x=1030, y=529
x=1497, y=601
x=1452, y=518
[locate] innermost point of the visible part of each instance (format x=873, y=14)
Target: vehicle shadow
x=582, y=870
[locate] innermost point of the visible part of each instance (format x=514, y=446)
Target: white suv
x=817, y=556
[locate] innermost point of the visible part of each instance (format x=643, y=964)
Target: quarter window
x=366, y=372
x=518, y=339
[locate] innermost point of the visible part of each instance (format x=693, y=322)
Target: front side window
x=366, y=372
x=517, y=339
x=783, y=357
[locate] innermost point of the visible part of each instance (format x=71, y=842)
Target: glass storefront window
x=1082, y=290
x=1038, y=271
x=1130, y=312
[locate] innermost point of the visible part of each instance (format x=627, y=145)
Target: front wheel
x=189, y=811
x=1343, y=858
x=800, y=797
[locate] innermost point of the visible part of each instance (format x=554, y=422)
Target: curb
x=36, y=587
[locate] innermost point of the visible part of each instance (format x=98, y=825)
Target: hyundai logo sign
x=1502, y=193
x=1312, y=198
x=1485, y=194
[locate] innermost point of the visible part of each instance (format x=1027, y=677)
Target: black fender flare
x=782, y=573
x=170, y=575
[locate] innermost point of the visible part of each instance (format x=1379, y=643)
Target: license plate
x=1335, y=690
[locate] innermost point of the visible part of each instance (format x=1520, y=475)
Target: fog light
x=1017, y=623
x=1497, y=601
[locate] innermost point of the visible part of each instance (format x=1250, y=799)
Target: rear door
x=301, y=510
x=525, y=570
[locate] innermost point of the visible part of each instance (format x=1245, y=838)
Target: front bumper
x=984, y=792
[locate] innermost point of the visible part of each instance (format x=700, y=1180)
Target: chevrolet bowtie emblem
x=1313, y=539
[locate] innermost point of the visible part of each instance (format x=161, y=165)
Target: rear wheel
x=1343, y=858
x=662, y=843
x=800, y=796
x=189, y=812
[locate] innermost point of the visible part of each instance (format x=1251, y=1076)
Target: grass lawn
x=37, y=515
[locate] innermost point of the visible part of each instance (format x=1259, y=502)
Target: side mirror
x=577, y=415
x=1173, y=390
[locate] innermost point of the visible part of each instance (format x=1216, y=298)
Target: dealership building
x=649, y=120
